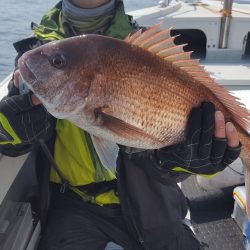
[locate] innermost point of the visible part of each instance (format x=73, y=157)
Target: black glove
x=21, y=122
x=201, y=153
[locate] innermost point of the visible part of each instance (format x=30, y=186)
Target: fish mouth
x=27, y=75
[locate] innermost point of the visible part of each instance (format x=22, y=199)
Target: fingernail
x=219, y=115
x=230, y=127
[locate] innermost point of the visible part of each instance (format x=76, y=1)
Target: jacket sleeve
x=21, y=122
x=149, y=162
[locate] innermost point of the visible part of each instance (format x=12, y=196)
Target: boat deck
x=211, y=216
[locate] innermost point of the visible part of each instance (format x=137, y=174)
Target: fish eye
x=58, y=61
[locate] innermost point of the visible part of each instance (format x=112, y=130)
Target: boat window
x=196, y=40
x=246, y=54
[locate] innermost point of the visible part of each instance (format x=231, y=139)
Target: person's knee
x=185, y=240
x=188, y=240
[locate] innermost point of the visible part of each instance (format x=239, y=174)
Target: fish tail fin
x=247, y=187
x=245, y=157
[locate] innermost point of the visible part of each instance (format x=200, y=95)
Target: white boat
x=220, y=38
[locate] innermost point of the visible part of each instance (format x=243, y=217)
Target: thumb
x=35, y=100
x=16, y=78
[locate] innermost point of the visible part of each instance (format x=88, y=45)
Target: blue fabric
x=75, y=11
x=88, y=20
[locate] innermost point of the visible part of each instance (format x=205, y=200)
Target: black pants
x=75, y=225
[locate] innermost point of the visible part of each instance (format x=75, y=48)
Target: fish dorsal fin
x=139, y=37
x=160, y=42
x=159, y=47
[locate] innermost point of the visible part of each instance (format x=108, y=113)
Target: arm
x=22, y=123
x=23, y=120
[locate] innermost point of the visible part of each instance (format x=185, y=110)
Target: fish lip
x=23, y=67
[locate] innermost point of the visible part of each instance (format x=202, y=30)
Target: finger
x=207, y=131
x=35, y=100
x=220, y=128
x=219, y=146
x=230, y=155
x=232, y=135
x=12, y=90
x=16, y=78
x=194, y=126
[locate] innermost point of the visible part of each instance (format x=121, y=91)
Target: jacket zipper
x=140, y=238
x=126, y=199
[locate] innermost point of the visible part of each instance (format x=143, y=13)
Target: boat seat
x=239, y=213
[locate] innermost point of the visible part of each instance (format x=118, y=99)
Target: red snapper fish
x=138, y=92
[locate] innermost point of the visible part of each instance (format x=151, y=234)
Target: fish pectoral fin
x=107, y=152
x=120, y=127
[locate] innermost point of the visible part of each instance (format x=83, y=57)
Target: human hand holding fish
x=209, y=147
x=16, y=79
x=16, y=111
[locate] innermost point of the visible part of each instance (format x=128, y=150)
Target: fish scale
x=138, y=111
x=148, y=101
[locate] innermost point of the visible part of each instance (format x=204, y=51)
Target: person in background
x=83, y=206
